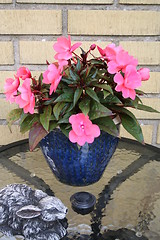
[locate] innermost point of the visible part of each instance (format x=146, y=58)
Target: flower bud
x=92, y=47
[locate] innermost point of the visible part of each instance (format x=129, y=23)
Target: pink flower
x=82, y=129
x=11, y=87
x=64, y=50
x=52, y=76
x=92, y=47
x=128, y=83
x=110, y=51
x=144, y=73
x=26, y=99
x=23, y=73
x=121, y=61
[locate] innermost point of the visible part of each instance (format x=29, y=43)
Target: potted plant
x=75, y=104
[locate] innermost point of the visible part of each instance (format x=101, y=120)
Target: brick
x=158, y=135
x=105, y=22
x=139, y=2
x=148, y=53
x=147, y=133
x=30, y=22
x=67, y=1
x=153, y=84
x=5, y=1
x=152, y=102
x=7, y=137
x=6, y=107
x=6, y=53
x=36, y=52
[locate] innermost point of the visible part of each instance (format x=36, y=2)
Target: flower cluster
x=81, y=94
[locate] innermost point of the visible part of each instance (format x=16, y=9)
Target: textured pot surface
x=78, y=166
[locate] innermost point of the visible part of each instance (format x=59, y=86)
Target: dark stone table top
x=127, y=195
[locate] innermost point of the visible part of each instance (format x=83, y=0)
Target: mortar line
x=16, y=53
x=64, y=22
x=115, y=6
x=98, y=37
x=155, y=133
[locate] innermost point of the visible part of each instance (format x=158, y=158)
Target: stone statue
x=31, y=213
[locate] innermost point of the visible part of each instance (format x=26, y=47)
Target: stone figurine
x=31, y=213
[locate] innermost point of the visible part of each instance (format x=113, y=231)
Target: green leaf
x=140, y=92
x=70, y=107
x=36, y=134
x=68, y=90
x=65, y=97
x=132, y=103
x=106, y=124
x=48, y=102
x=84, y=72
x=92, y=94
x=78, y=65
x=58, y=108
x=85, y=106
x=52, y=117
x=65, y=118
x=106, y=93
x=146, y=108
x=130, y=123
x=104, y=86
x=97, y=62
x=94, y=74
x=52, y=125
x=40, y=78
x=111, y=99
x=74, y=75
x=45, y=117
x=98, y=110
x=67, y=80
x=28, y=122
x=23, y=116
x=65, y=131
x=13, y=116
x=77, y=95
x=88, y=71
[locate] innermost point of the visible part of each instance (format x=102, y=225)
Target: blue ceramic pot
x=78, y=166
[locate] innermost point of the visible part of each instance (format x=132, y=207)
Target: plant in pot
x=73, y=107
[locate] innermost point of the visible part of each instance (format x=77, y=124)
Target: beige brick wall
x=139, y=1
x=101, y=22
x=6, y=53
x=29, y=28
x=5, y=1
x=30, y=22
x=68, y=1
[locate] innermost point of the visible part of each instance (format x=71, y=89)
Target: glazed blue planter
x=78, y=166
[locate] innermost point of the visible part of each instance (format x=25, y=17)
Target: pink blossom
x=144, y=73
x=64, y=50
x=82, y=129
x=121, y=61
x=128, y=83
x=26, y=99
x=23, y=73
x=52, y=76
x=110, y=51
x=92, y=47
x=11, y=87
